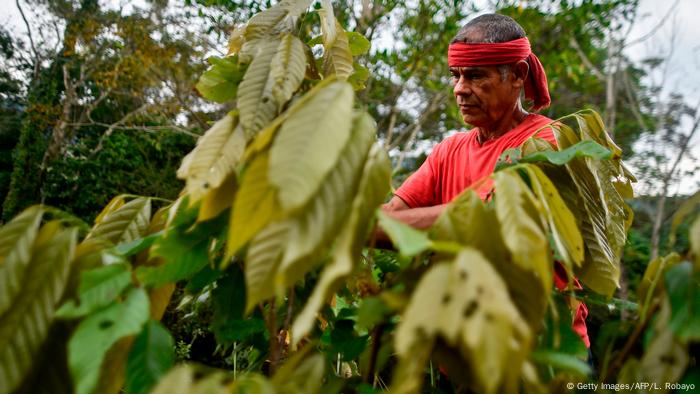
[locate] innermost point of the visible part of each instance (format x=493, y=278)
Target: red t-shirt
x=459, y=162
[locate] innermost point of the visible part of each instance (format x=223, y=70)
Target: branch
x=655, y=28
x=586, y=61
x=37, y=61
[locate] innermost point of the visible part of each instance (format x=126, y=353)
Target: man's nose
x=462, y=87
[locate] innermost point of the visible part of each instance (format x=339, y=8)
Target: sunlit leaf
x=16, y=239
x=125, y=224
x=371, y=192
x=255, y=205
x=308, y=144
x=581, y=149
x=359, y=45
x=24, y=326
x=313, y=228
x=220, y=82
x=337, y=58
x=466, y=304
x=562, y=223
x=256, y=103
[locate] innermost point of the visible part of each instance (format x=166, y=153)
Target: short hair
x=491, y=29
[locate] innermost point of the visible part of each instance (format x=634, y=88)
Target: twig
x=37, y=61
x=376, y=343
x=274, y=343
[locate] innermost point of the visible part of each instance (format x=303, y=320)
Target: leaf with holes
x=24, y=326
x=456, y=223
x=16, y=240
x=466, y=304
x=127, y=223
x=98, y=332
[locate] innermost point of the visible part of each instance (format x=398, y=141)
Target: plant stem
x=274, y=342
x=376, y=342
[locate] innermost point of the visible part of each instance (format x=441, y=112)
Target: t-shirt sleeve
x=419, y=190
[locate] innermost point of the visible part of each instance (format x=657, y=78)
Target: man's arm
x=420, y=218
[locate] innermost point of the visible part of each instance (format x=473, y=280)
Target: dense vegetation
x=262, y=269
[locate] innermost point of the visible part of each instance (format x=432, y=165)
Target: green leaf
x=189, y=378
x=301, y=374
x=682, y=286
x=688, y=207
x=127, y=223
x=220, y=82
x=313, y=229
x=16, y=240
x=24, y=326
x=466, y=304
x=371, y=312
x=150, y=358
x=254, y=207
x=201, y=279
x=216, y=156
x=409, y=241
x=184, y=255
x=280, y=18
x=98, y=288
x=583, y=149
x=137, y=246
x=373, y=188
x=98, y=332
x=359, y=45
x=359, y=76
x=228, y=302
x=563, y=362
x=308, y=144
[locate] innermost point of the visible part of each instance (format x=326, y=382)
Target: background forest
x=103, y=98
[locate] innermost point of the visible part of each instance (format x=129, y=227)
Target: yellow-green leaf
x=562, y=223
x=16, y=240
x=125, y=224
x=24, y=326
x=255, y=205
x=372, y=190
x=337, y=58
x=314, y=227
x=466, y=304
x=262, y=261
x=279, y=18
x=256, y=103
x=520, y=217
x=457, y=224
x=308, y=144
x=218, y=199
x=112, y=206
x=288, y=68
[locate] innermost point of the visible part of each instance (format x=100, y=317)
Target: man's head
x=488, y=93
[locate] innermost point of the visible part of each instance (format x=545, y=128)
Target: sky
x=682, y=25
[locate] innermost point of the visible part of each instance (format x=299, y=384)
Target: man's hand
x=420, y=218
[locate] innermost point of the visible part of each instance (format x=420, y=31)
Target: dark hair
x=491, y=29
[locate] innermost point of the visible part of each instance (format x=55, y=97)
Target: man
x=491, y=63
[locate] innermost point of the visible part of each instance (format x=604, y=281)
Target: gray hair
x=491, y=29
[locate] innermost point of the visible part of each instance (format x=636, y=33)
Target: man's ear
x=520, y=70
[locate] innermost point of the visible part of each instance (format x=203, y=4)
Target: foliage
x=266, y=245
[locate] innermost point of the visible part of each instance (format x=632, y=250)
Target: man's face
x=483, y=96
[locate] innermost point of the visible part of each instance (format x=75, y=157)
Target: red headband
x=461, y=54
